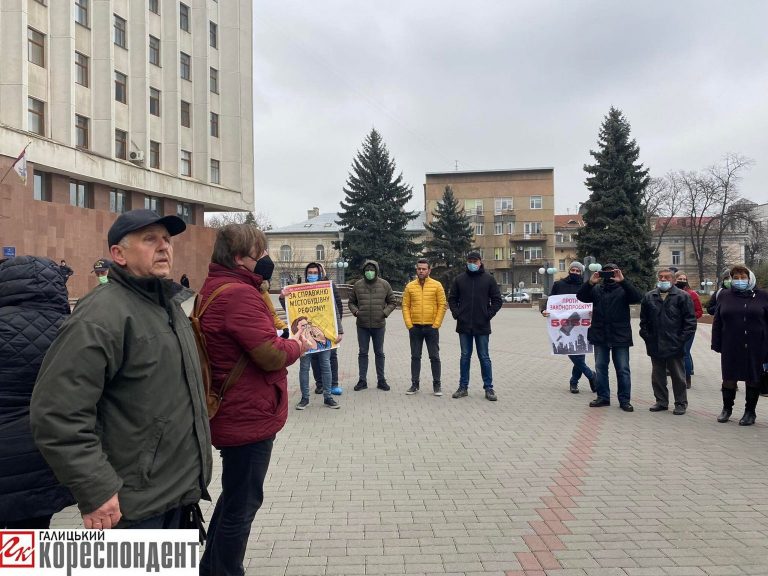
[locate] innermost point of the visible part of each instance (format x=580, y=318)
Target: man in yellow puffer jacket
x=424, y=307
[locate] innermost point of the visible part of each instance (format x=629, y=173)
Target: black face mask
x=574, y=277
x=681, y=285
x=264, y=267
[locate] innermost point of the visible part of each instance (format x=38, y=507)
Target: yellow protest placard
x=311, y=308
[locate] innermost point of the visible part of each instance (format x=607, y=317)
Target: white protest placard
x=568, y=322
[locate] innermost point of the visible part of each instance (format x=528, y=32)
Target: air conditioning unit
x=136, y=156
x=520, y=248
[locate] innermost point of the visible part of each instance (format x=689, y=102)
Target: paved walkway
x=535, y=484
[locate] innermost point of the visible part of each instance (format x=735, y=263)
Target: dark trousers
x=169, y=520
x=364, y=338
x=242, y=492
x=419, y=334
x=676, y=368
x=579, y=367
x=39, y=523
x=334, y=369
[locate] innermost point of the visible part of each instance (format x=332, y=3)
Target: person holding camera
x=611, y=331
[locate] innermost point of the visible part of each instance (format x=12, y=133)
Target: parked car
x=521, y=297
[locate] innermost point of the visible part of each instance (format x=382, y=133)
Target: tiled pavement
x=535, y=484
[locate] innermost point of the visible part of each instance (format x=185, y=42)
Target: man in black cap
x=474, y=299
x=101, y=269
x=611, y=331
x=119, y=410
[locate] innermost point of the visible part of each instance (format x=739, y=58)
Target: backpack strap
x=201, y=307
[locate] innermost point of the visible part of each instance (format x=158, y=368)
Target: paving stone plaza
x=535, y=484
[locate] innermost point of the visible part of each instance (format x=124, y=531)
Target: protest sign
x=569, y=319
x=311, y=308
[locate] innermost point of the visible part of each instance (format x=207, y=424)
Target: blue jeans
x=481, y=341
x=688, y=359
x=580, y=367
x=242, y=493
x=620, y=355
x=364, y=338
x=305, y=363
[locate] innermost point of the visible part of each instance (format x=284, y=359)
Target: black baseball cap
x=134, y=220
x=474, y=255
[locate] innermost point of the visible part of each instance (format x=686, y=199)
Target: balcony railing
x=527, y=237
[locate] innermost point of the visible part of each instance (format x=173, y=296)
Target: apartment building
x=512, y=213
x=123, y=104
x=566, y=229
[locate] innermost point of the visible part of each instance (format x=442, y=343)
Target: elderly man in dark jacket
x=119, y=408
x=611, y=331
x=371, y=301
x=667, y=322
x=33, y=304
x=474, y=299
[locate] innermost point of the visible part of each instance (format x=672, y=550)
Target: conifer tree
x=373, y=215
x=616, y=226
x=450, y=239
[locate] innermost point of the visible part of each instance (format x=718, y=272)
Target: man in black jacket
x=474, y=299
x=611, y=331
x=571, y=285
x=667, y=321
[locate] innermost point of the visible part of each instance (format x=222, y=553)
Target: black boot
x=753, y=394
x=729, y=396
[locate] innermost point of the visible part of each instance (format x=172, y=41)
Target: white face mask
x=663, y=285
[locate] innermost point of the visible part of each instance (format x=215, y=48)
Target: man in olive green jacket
x=371, y=301
x=119, y=410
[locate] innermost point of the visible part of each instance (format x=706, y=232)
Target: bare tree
x=220, y=219
x=663, y=202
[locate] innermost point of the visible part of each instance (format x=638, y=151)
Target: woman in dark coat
x=33, y=304
x=740, y=335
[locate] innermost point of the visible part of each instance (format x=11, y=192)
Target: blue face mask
x=473, y=267
x=740, y=284
x=313, y=277
x=663, y=285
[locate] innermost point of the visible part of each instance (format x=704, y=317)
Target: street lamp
x=341, y=264
x=706, y=286
x=512, y=255
x=548, y=272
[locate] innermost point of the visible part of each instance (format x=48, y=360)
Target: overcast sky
x=501, y=84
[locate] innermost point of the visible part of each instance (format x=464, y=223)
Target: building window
x=154, y=6
x=502, y=204
x=185, y=68
x=121, y=87
x=473, y=207
x=677, y=258
x=118, y=201
x=561, y=265
x=319, y=252
x=42, y=182
x=510, y=253
x=183, y=16
x=184, y=211
x=186, y=163
x=479, y=229
x=510, y=227
x=154, y=51
x=534, y=276
x=215, y=172
x=81, y=12
x=498, y=253
x=154, y=101
x=81, y=131
x=36, y=47
x=535, y=202
x=533, y=253
x=214, y=80
x=533, y=228
x=154, y=154
x=121, y=144
x=214, y=125
x=121, y=38
x=213, y=33
x=80, y=194
x=81, y=69
x=498, y=228
x=186, y=116
x=36, y=116
x=153, y=203
x=285, y=253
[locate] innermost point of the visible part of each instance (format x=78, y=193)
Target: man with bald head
x=119, y=408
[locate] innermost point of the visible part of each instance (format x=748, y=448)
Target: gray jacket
x=372, y=301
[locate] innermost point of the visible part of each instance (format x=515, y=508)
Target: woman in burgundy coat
x=740, y=335
x=240, y=338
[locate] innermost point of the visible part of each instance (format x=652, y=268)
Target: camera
x=605, y=274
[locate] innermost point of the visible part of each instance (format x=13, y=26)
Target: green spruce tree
x=450, y=239
x=373, y=215
x=616, y=226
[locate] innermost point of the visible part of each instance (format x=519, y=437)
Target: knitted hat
x=576, y=264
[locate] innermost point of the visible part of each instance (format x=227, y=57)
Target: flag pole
x=15, y=162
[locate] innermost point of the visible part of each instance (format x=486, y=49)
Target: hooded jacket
x=611, y=323
x=371, y=301
x=666, y=324
x=119, y=405
x=33, y=304
x=474, y=299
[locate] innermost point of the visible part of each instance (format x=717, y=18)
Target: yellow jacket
x=279, y=324
x=424, y=304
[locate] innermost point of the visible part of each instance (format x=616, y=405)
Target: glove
x=285, y=333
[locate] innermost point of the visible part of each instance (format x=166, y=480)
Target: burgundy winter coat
x=256, y=406
x=740, y=333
